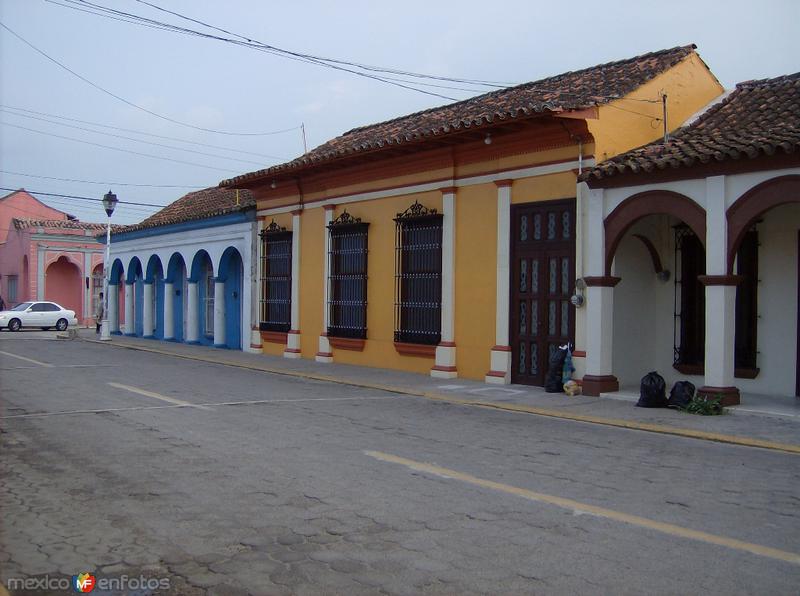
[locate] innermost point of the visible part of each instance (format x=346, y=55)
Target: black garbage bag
x=680, y=395
x=653, y=391
x=555, y=370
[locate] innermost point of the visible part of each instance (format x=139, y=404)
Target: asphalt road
x=224, y=480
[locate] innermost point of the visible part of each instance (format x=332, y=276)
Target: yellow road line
x=45, y=364
x=577, y=506
x=506, y=407
x=171, y=400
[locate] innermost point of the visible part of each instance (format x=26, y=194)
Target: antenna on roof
x=237, y=197
x=664, y=117
x=303, y=129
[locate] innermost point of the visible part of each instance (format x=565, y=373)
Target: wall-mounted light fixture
x=577, y=298
x=488, y=138
x=274, y=184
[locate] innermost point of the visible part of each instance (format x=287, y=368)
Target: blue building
x=186, y=273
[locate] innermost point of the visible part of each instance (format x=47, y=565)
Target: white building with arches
x=690, y=253
x=186, y=273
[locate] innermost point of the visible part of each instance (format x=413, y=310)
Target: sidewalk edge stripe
x=613, y=422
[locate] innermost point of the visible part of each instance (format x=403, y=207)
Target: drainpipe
x=579, y=216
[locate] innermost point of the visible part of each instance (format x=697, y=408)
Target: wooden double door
x=542, y=281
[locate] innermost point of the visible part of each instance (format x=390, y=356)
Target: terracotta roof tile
x=758, y=118
x=569, y=91
x=60, y=224
x=201, y=204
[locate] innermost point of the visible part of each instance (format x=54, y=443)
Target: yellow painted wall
x=475, y=278
x=689, y=86
x=312, y=258
x=544, y=188
x=379, y=349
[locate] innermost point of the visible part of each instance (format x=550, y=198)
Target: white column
x=255, y=288
x=293, y=337
x=599, y=377
x=500, y=355
x=720, y=299
x=169, y=310
x=445, y=364
x=324, y=353
x=192, y=313
x=219, y=314
x=113, y=307
x=130, y=329
x=147, y=310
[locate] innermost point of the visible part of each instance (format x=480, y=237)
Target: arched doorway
x=155, y=277
x=176, y=275
x=63, y=285
x=203, y=276
x=135, y=279
x=117, y=280
x=96, y=288
x=764, y=225
x=230, y=272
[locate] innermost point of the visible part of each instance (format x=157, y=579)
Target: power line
x=100, y=183
x=308, y=58
x=273, y=50
x=140, y=132
x=111, y=134
x=54, y=194
x=130, y=103
x=50, y=134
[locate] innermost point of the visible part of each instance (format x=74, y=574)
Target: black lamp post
x=109, y=204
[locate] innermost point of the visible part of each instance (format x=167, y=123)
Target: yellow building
x=446, y=241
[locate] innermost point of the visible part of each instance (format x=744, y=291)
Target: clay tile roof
x=201, y=204
x=60, y=224
x=758, y=118
x=569, y=91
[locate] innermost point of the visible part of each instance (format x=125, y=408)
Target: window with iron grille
x=690, y=298
x=690, y=302
x=275, y=305
x=347, y=290
x=208, y=280
x=418, y=276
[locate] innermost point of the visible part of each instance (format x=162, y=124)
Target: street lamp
x=109, y=203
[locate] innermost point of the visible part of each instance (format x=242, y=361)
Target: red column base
x=594, y=385
x=730, y=395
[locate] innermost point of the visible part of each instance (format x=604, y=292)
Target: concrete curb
x=516, y=408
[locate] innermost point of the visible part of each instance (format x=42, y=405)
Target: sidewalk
x=774, y=425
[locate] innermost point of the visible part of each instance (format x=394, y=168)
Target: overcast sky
x=225, y=87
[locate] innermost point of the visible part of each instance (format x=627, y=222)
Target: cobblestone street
x=128, y=468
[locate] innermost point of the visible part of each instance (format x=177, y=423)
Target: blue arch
x=203, y=274
x=155, y=276
x=230, y=272
x=134, y=270
x=117, y=272
x=135, y=277
x=176, y=275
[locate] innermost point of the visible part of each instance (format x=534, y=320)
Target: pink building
x=46, y=254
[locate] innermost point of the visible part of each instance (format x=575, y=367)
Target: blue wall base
x=221, y=346
x=172, y=339
x=116, y=333
x=130, y=335
x=194, y=343
x=148, y=337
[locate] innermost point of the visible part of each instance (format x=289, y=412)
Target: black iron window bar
x=684, y=299
x=347, y=277
x=275, y=304
x=418, y=275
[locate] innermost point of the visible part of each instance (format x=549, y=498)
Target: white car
x=37, y=314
